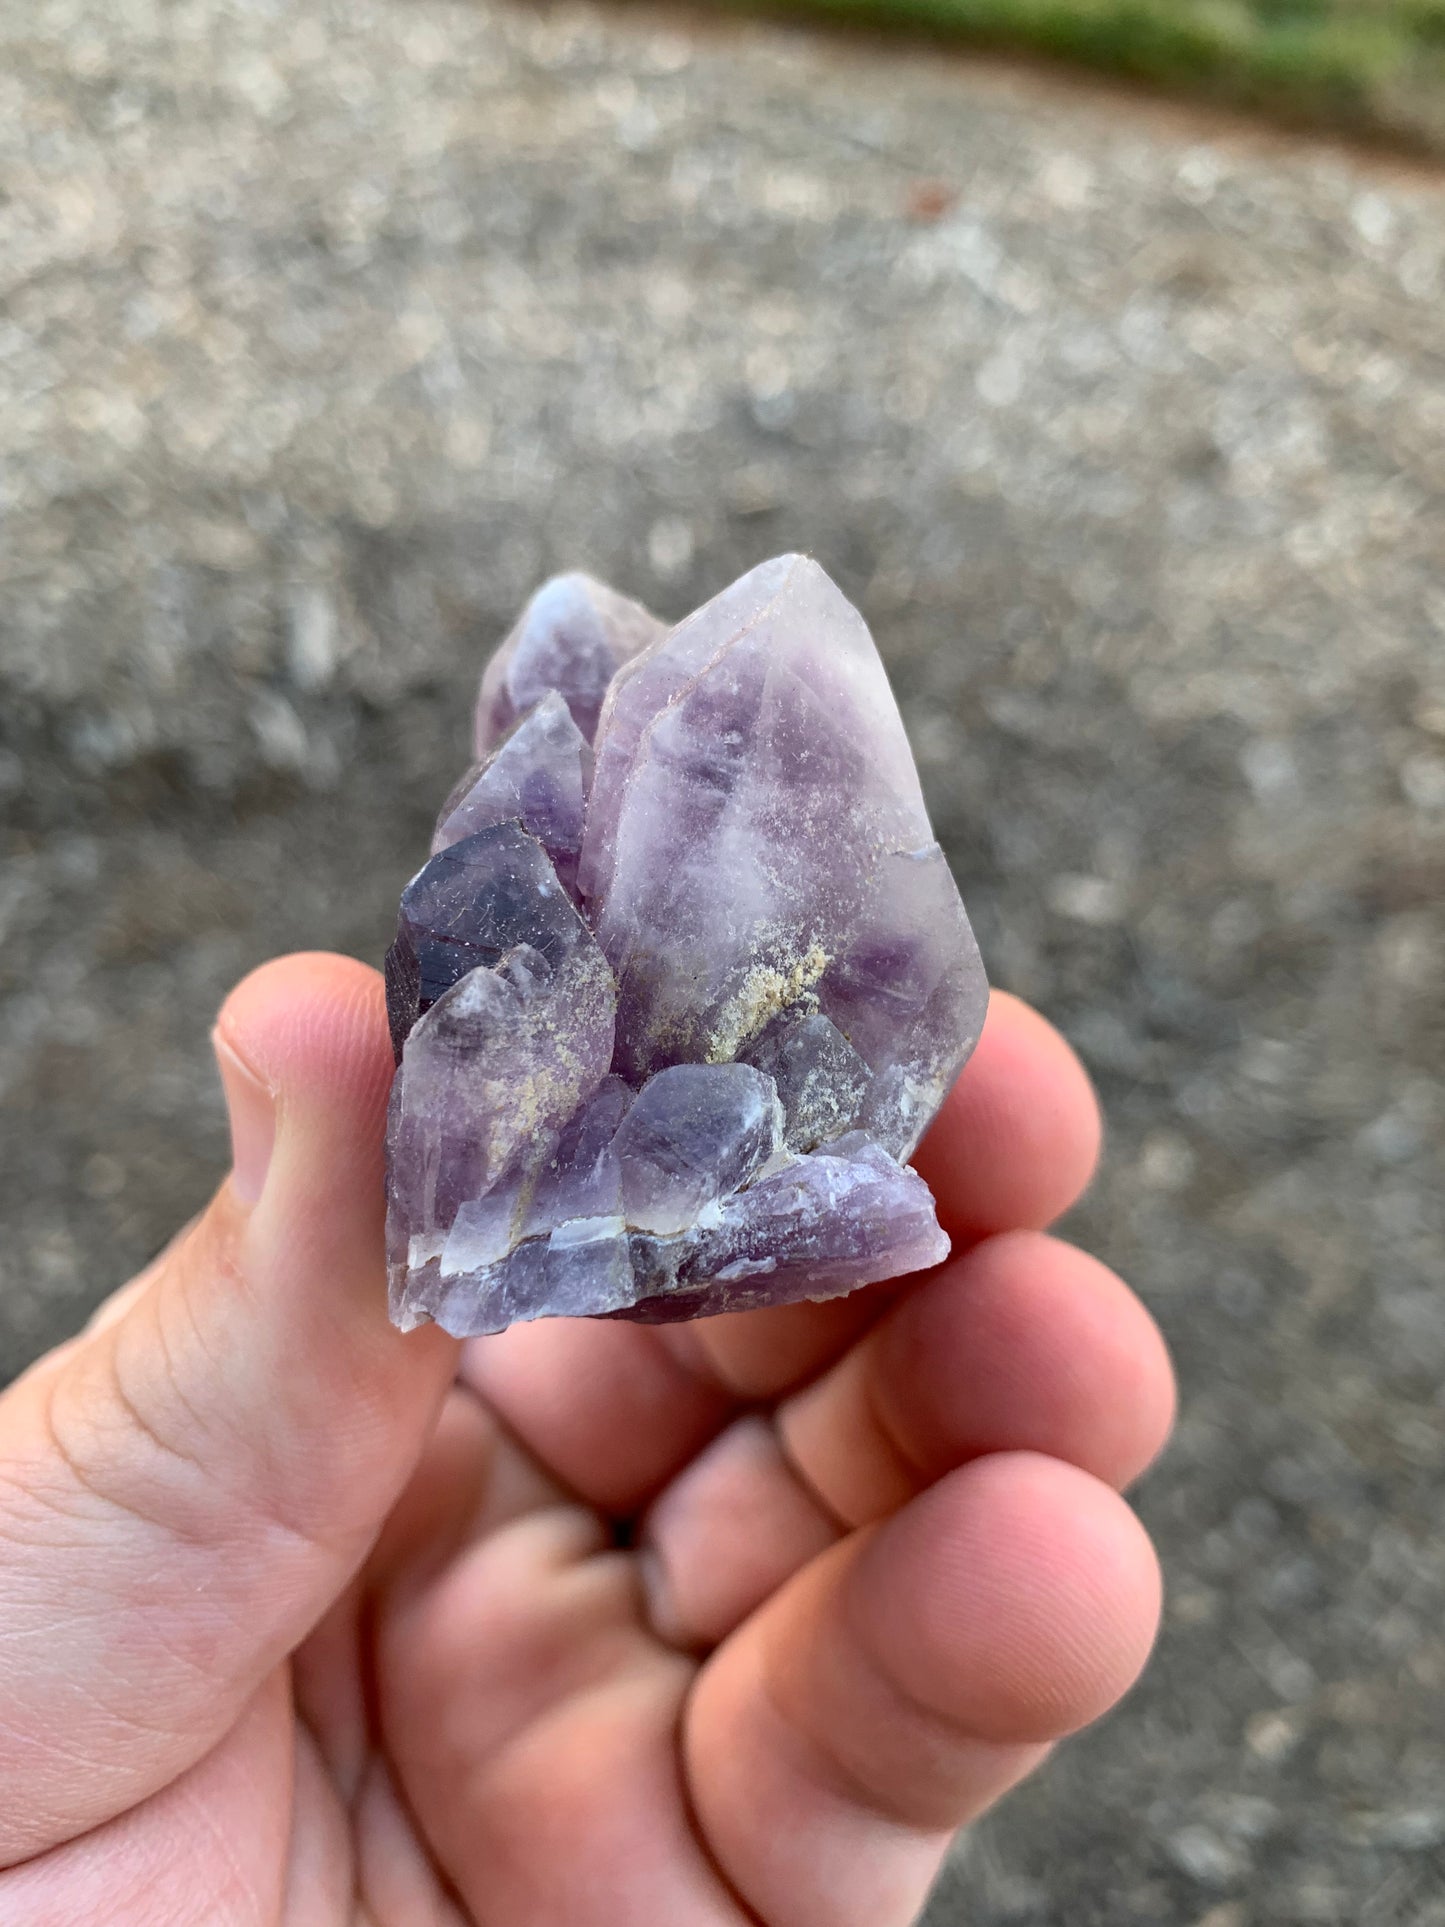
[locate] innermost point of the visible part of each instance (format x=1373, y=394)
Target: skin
x=303, y=1621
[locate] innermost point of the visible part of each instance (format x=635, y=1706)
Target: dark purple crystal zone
x=685, y=979
x=474, y=902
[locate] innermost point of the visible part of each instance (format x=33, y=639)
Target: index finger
x=1018, y=1137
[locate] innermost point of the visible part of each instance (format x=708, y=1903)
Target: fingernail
x=253, y=1122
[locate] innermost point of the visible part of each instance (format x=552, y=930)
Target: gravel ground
x=325, y=332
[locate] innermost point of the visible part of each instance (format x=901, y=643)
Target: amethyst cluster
x=685, y=978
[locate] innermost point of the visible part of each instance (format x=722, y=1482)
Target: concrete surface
x=325, y=332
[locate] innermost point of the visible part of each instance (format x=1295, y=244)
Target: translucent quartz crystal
x=475, y=903
x=696, y=1134
x=538, y=775
x=820, y=1079
x=672, y=1007
x=757, y=842
x=572, y=637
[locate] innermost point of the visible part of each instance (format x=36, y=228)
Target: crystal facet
x=673, y=1006
x=695, y=1135
x=538, y=775
x=572, y=637
x=472, y=904
x=820, y=1079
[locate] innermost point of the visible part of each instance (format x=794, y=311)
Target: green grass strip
x=1375, y=67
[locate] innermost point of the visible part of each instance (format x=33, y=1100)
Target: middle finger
x=1022, y=1344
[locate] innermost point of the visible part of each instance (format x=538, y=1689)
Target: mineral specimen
x=685, y=978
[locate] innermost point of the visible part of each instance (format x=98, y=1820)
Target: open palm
x=592, y=1623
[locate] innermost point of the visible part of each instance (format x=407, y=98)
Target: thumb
x=186, y=1487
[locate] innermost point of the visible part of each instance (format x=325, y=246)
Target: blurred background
x=326, y=332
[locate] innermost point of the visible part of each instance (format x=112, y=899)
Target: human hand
x=303, y=1621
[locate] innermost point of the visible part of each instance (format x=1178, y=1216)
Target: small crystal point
x=845, y=1215
x=492, y=1073
x=582, y=1176
x=820, y=1079
x=670, y=1021
x=572, y=637
x=696, y=1133
x=474, y=901
x=538, y=775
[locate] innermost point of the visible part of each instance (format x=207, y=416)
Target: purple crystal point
x=474, y=901
x=820, y=1079
x=572, y=637
x=696, y=1133
x=697, y=1094
x=538, y=776
x=759, y=845
x=644, y=688
x=491, y=1074
x=582, y=1176
x=841, y=1217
